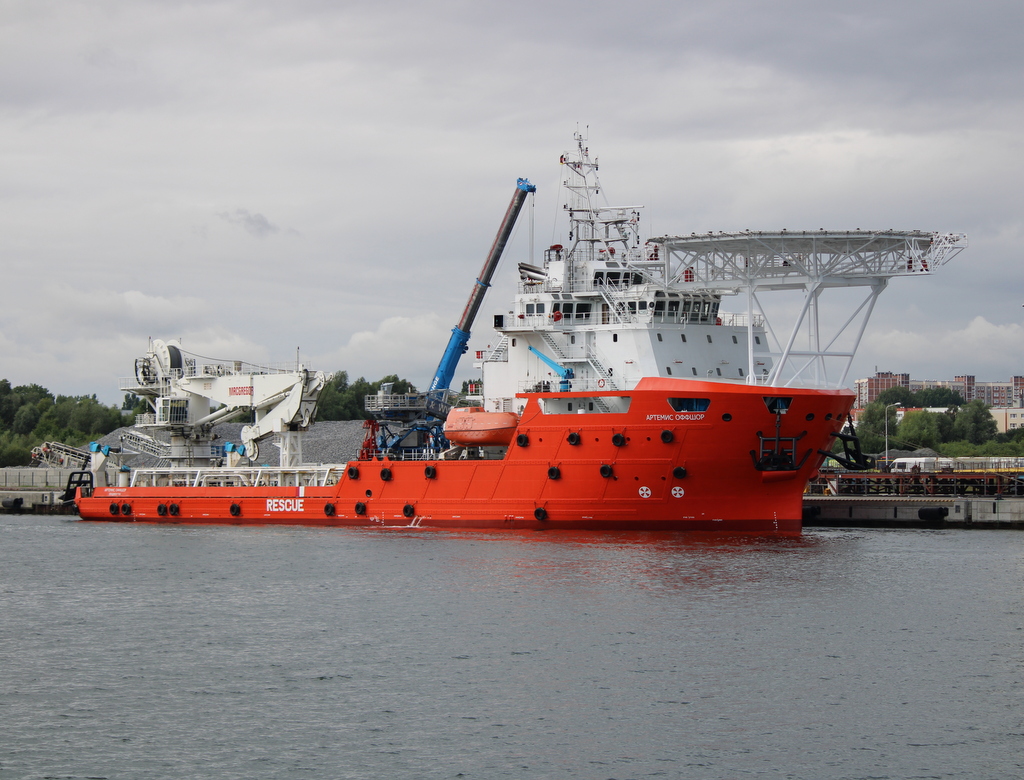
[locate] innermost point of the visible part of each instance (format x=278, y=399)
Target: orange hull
x=651, y=468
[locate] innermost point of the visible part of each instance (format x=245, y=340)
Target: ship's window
x=695, y=370
x=613, y=277
x=529, y=308
x=590, y=406
x=719, y=371
x=540, y=308
x=673, y=307
x=599, y=277
x=583, y=311
x=659, y=306
x=632, y=306
x=643, y=305
x=777, y=404
x=669, y=369
x=659, y=294
x=741, y=372
x=572, y=339
x=660, y=338
x=709, y=338
x=683, y=337
x=734, y=341
x=513, y=342
x=689, y=404
x=570, y=406
x=615, y=337
x=757, y=339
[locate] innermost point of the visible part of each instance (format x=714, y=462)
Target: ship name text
x=284, y=504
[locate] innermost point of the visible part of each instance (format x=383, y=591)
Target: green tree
x=896, y=395
x=919, y=429
x=938, y=396
x=974, y=423
x=25, y=419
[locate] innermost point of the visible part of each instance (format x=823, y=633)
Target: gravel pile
x=324, y=442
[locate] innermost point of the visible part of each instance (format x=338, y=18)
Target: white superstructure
x=610, y=308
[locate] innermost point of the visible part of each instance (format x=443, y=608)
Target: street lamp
x=887, y=433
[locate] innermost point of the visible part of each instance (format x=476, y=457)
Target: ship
x=620, y=393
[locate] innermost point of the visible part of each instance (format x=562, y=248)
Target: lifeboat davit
x=472, y=426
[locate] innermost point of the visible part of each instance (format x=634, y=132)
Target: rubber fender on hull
x=573, y=438
x=126, y=509
x=360, y=508
x=385, y=474
x=540, y=513
x=161, y=509
x=679, y=472
x=523, y=440
x=174, y=509
x=619, y=440
x=606, y=470
x=409, y=510
x=353, y=472
x=235, y=510
x=430, y=472
x=667, y=436
x=554, y=473
x=329, y=510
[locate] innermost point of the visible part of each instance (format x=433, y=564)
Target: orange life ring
x=556, y=316
x=600, y=383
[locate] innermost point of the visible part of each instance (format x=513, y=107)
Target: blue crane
x=457, y=344
x=565, y=374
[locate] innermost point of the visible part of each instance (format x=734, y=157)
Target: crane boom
x=565, y=374
x=460, y=333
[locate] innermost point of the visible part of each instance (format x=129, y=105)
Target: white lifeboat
x=472, y=426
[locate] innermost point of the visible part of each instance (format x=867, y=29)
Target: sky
x=322, y=180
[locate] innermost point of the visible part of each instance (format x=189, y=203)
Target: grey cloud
x=254, y=224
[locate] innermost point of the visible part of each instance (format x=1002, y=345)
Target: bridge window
x=777, y=404
x=689, y=404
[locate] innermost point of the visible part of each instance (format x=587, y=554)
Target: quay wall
x=913, y=512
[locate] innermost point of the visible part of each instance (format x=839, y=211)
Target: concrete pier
x=913, y=512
